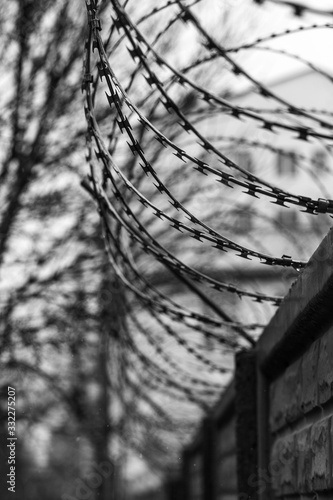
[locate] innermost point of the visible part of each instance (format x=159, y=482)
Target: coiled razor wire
x=298, y=8
x=115, y=189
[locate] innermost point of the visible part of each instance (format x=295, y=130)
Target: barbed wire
x=164, y=379
x=219, y=241
x=302, y=60
x=276, y=35
x=159, y=296
x=298, y=8
x=169, y=260
x=211, y=44
x=131, y=190
x=168, y=359
x=281, y=197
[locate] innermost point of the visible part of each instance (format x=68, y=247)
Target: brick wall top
x=305, y=313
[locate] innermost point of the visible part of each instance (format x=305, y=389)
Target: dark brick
x=309, y=378
x=325, y=368
x=303, y=455
x=320, y=472
x=283, y=466
x=285, y=397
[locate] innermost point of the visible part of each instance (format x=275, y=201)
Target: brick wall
x=271, y=435
x=295, y=390
x=301, y=411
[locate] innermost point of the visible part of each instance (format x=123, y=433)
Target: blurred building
x=280, y=157
x=302, y=167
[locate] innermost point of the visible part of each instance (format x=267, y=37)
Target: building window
x=288, y=218
x=286, y=163
x=320, y=160
x=243, y=219
x=244, y=160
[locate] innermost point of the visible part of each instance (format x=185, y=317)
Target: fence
x=271, y=435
